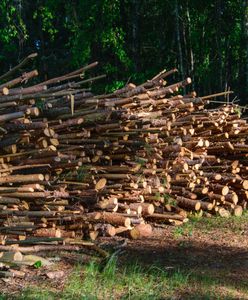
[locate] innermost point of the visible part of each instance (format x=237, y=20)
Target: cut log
x=11, y=256
x=188, y=203
x=111, y=218
x=22, y=178
x=101, y=184
x=141, y=231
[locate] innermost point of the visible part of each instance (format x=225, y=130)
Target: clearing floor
x=204, y=259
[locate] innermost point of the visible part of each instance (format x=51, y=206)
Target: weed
x=82, y=173
x=169, y=200
x=235, y=224
x=178, y=232
x=130, y=280
x=157, y=195
x=149, y=149
x=141, y=161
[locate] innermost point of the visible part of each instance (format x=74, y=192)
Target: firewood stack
x=76, y=165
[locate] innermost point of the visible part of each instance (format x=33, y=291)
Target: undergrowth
x=132, y=281
x=128, y=279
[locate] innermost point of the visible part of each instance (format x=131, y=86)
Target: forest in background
x=132, y=39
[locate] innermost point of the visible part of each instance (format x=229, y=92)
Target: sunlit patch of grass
x=186, y=229
x=118, y=279
x=233, y=223
x=114, y=279
x=113, y=282
x=129, y=282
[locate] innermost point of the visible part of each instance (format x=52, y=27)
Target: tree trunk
x=135, y=44
x=219, y=64
x=245, y=3
x=190, y=49
x=179, y=45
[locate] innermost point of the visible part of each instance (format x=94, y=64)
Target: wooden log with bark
x=79, y=165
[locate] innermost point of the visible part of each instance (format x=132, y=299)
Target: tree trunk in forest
x=243, y=54
x=246, y=46
x=135, y=44
x=190, y=50
x=42, y=50
x=177, y=27
x=219, y=64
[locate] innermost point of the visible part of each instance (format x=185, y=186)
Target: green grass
x=118, y=278
x=235, y=224
x=132, y=281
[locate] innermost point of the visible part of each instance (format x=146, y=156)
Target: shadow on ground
x=220, y=266
x=193, y=262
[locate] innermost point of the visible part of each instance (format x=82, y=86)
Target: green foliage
x=178, y=232
x=131, y=280
x=115, y=85
x=40, y=104
x=13, y=31
x=46, y=15
x=38, y=264
x=12, y=24
x=82, y=173
x=238, y=111
x=132, y=41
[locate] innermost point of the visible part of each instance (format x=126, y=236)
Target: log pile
x=77, y=165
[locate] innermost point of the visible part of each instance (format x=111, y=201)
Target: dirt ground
x=217, y=255
x=218, y=251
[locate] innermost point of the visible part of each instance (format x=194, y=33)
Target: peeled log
x=93, y=234
x=147, y=208
x=165, y=217
x=108, y=204
x=136, y=207
x=237, y=211
x=140, y=231
x=101, y=184
x=224, y=213
x=22, y=178
x=111, y=218
x=110, y=230
x=38, y=248
x=48, y=232
x=11, y=256
x=120, y=229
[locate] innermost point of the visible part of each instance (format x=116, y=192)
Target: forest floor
x=204, y=259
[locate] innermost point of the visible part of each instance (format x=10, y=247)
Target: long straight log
x=23, y=78
x=111, y=218
x=22, y=178
x=41, y=248
x=11, y=116
x=19, y=66
x=71, y=75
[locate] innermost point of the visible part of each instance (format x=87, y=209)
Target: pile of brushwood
x=74, y=165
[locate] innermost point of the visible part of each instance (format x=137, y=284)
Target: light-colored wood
x=141, y=231
x=11, y=256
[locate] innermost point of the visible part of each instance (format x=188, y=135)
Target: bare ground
x=214, y=251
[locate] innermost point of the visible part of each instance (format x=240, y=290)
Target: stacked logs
x=74, y=164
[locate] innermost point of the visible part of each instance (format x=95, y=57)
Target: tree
x=132, y=39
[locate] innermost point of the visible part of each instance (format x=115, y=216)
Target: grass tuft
x=118, y=279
